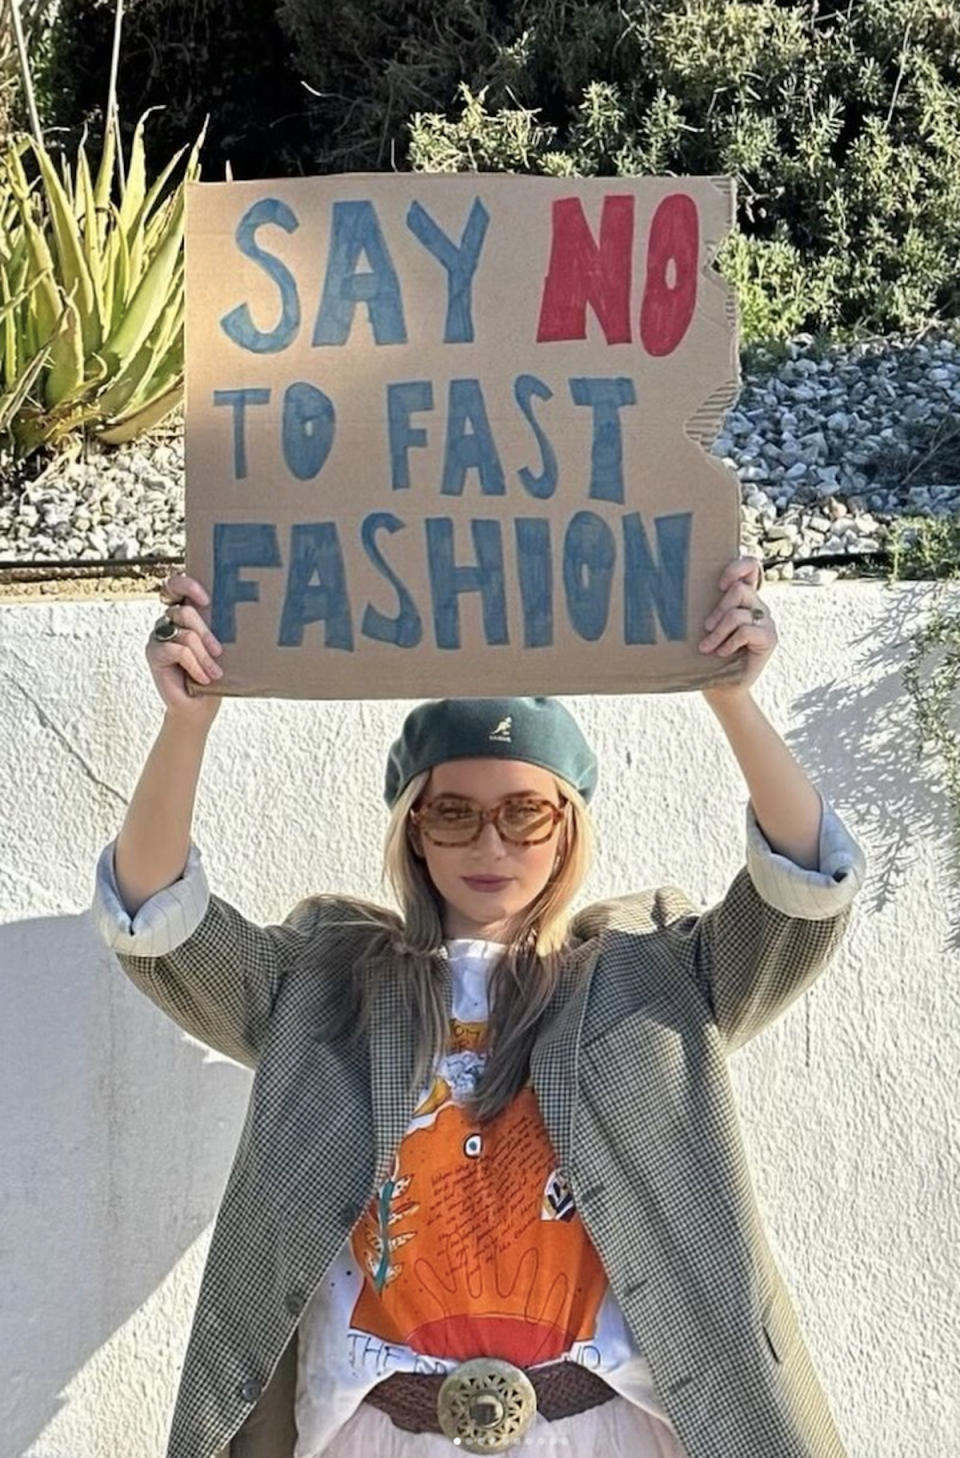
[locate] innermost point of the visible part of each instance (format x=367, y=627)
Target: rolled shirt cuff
x=797, y=890
x=163, y=921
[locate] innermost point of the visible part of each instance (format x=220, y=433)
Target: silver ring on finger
x=165, y=630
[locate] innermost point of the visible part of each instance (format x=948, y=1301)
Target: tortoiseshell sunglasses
x=455, y=820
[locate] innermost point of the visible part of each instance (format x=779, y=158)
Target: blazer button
x=249, y=1390
x=295, y=1301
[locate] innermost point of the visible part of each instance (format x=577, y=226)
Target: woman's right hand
x=191, y=655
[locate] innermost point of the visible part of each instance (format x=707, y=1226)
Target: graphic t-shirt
x=471, y=1247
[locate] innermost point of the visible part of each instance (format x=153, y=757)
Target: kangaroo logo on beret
x=502, y=731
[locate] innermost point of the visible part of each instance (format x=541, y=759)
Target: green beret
x=540, y=731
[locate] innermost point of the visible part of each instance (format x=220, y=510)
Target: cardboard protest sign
x=447, y=435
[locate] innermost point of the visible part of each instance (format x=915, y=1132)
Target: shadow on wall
x=858, y=735
x=105, y=1185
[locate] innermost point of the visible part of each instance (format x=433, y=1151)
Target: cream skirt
x=615, y=1429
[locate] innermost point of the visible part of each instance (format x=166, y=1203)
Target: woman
x=491, y=1190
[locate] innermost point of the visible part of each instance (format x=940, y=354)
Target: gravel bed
x=829, y=447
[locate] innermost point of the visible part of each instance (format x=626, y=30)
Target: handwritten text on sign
x=435, y=431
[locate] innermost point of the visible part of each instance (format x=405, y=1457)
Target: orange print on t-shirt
x=472, y=1247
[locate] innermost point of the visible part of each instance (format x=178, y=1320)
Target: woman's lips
x=487, y=883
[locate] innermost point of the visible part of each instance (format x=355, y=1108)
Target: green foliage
x=35, y=18
x=91, y=296
x=924, y=547
x=370, y=67
x=776, y=289
x=226, y=59
x=510, y=141
x=842, y=130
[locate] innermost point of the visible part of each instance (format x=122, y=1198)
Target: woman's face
x=521, y=871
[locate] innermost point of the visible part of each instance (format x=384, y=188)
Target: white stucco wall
x=118, y=1131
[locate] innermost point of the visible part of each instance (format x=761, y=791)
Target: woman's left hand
x=734, y=623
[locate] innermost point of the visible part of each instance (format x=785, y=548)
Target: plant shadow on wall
x=894, y=721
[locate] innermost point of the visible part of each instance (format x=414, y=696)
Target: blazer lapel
x=554, y=1059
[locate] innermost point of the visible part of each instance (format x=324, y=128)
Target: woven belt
x=486, y=1405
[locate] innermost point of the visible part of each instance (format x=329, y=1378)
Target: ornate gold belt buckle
x=486, y=1405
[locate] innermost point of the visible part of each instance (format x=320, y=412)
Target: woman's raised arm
x=151, y=848
x=154, y=840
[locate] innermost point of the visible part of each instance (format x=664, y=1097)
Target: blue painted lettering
x=544, y=485
x=473, y=450
x=238, y=325
x=535, y=574
x=447, y=580
x=589, y=552
x=237, y=545
x=605, y=397
x=460, y=263
x=239, y=400
x=356, y=230
x=661, y=584
x=315, y=549
x=309, y=420
x=405, y=630
x=402, y=399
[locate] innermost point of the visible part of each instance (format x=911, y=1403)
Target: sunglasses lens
x=527, y=820
x=448, y=824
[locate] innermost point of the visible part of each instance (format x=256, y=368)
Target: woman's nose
x=490, y=838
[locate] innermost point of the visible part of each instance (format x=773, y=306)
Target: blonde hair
x=522, y=980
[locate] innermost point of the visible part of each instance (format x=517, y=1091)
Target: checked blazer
x=630, y=1070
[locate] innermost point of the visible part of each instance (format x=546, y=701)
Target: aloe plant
x=91, y=295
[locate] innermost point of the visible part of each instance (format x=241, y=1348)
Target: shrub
x=841, y=124
x=35, y=18
x=228, y=59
